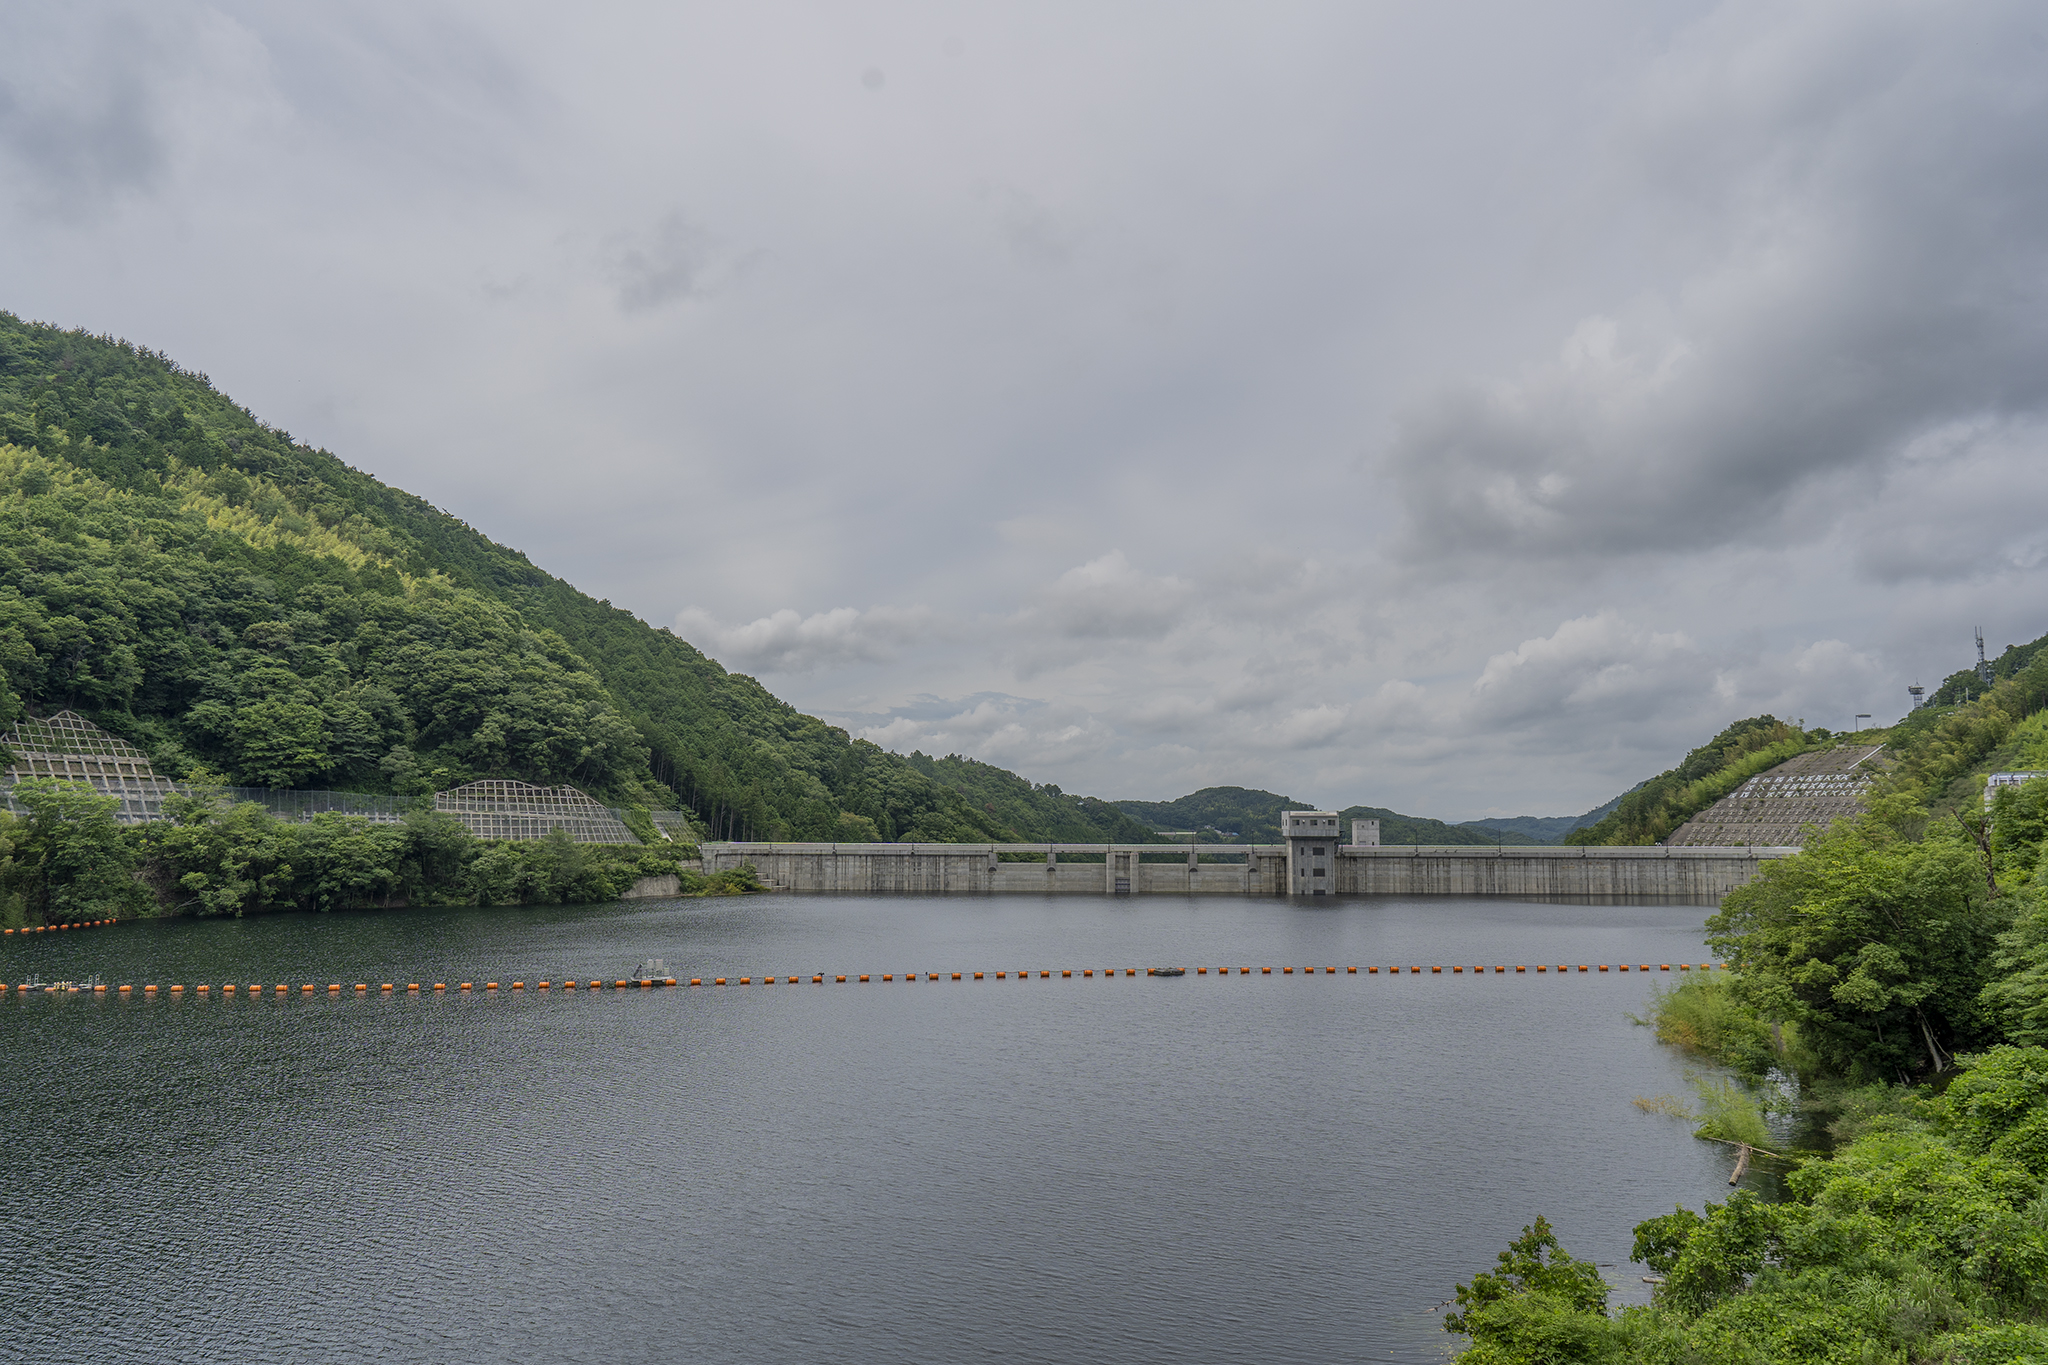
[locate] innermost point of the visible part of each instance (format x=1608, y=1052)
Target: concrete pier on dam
x=1300, y=866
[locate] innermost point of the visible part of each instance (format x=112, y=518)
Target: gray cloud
x=668, y=262
x=1692, y=348
x=1864, y=200
x=77, y=144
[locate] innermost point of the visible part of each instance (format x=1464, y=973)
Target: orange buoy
x=1066, y=973
x=888, y=976
x=863, y=978
x=1266, y=971
x=204, y=989
x=177, y=990
x=1201, y=971
x=123, y=991
x=1582, y=967
x=149, y=990
x=1603, y=966
x=999, y=976
x=360, y=985
x=977, y=976
x=818, y=980
x=1088, y=971
x=1541, y=968
x=385, y=987
x=694, y=981
x=956, y=976
x=1664, y=967
x=746, y=981
x=720, y=981
x=842, y=980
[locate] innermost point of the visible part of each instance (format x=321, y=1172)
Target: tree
x=1877, y=947
x=1539, y=1305
x=71, y=860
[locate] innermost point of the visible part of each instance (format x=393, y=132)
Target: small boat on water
x=1166, y=971
x=653, y=969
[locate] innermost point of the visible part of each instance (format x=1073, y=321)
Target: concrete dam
x=1308, y=862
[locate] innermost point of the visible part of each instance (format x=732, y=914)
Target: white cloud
x=785, y=642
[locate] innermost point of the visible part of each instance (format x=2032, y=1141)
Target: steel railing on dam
x=1654, y=875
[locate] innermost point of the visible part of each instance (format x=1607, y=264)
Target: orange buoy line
x=54, y=928
x=413, y=989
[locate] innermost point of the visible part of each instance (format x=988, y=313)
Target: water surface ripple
x=1257, y=1168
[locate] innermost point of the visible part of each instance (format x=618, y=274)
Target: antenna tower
x=1983, y=666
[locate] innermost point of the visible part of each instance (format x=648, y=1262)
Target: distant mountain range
x=1243, y=814
x=1547, y=829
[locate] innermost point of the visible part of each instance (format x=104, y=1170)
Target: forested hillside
x=1003, y=796
x=233, y=600
x=1889, y=995
x=1243, y=815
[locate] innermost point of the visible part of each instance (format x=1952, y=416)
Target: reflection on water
x=1282, y=1168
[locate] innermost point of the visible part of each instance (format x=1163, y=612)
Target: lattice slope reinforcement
x=70, y=748
x=518, y=810
x=1815, y=788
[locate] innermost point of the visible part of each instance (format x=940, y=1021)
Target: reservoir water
x=1263, y=1168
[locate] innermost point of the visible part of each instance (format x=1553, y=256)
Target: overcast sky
x=1464, y=408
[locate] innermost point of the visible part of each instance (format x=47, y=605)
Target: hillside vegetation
x=241, y=605
x=1894, y=976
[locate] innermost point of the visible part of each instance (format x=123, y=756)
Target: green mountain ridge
x=1246, y=815
x=1548, y=829
x=238, y=603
